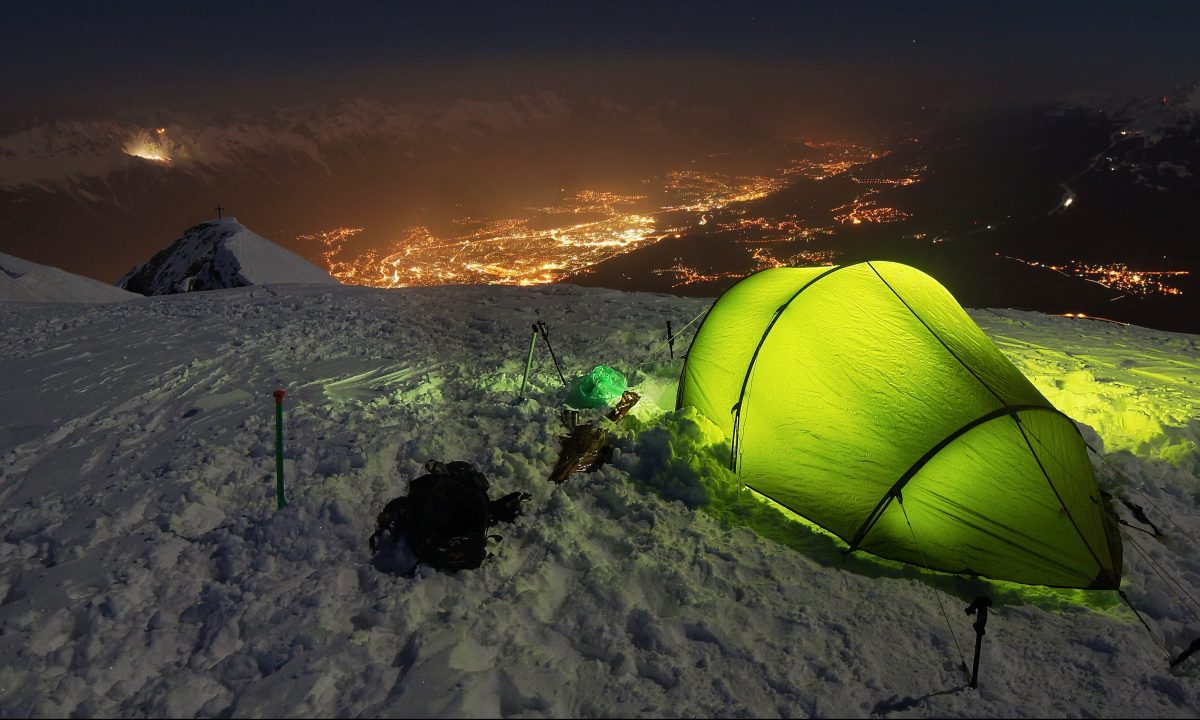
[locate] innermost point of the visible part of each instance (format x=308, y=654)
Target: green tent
x=863, y=398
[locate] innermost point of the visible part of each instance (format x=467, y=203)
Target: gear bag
x=446, y=515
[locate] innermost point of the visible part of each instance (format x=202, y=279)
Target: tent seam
x=1017, y=420
x=885, y=501
x=936, y=336
x=737, y=408
x=688, y=355
x=965, y=571
x=1102, y=568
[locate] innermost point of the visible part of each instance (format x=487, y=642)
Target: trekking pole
x=528, y=361
x=980, y=604
x=540, y=326
x=279, y=449
x=671, y=339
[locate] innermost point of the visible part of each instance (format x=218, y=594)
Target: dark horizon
x=72, y=59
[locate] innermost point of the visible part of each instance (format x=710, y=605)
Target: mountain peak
x=217, y=254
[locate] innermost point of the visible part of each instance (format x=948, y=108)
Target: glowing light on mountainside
x=149, y=147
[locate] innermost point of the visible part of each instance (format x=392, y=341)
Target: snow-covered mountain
x=144, y=569
x=1154, y=142
x=60, y=155
x=69, y=155
x=1177, y=110
x=25, y=281
x=220, y=254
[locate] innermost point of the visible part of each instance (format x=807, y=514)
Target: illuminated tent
x=864, y=399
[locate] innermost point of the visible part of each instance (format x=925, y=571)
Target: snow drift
x=25, y=281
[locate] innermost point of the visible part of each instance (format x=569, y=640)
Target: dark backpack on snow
x=446, y=515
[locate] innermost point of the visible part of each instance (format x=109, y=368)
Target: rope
x=1166, y=577
x=1157, y=641
x=1136, y=489
x=1158, y=510
x=936, y=593
x=1135, y=527
x=665, y=343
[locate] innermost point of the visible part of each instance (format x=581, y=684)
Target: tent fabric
x=864, y=398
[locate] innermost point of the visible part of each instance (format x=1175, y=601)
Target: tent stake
x=980, y=604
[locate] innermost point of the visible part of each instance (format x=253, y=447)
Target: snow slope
x=220, y=254
x=144, y=570
x=25, y=281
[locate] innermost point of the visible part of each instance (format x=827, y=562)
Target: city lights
x=551, y=243
x=1117, y=276
x=863, y=210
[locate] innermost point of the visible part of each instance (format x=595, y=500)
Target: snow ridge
x=25, y=281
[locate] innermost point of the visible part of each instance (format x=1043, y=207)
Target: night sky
x=124, y=123
x=64, y=59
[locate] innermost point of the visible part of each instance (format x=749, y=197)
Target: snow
x=24, y=281
x=144, y=569
x=219, y=254
x=1146, y=116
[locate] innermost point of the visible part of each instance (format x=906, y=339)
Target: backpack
x=446, y=515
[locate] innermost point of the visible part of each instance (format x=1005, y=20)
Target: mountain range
x=1080, y=206
x=1085, y=207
